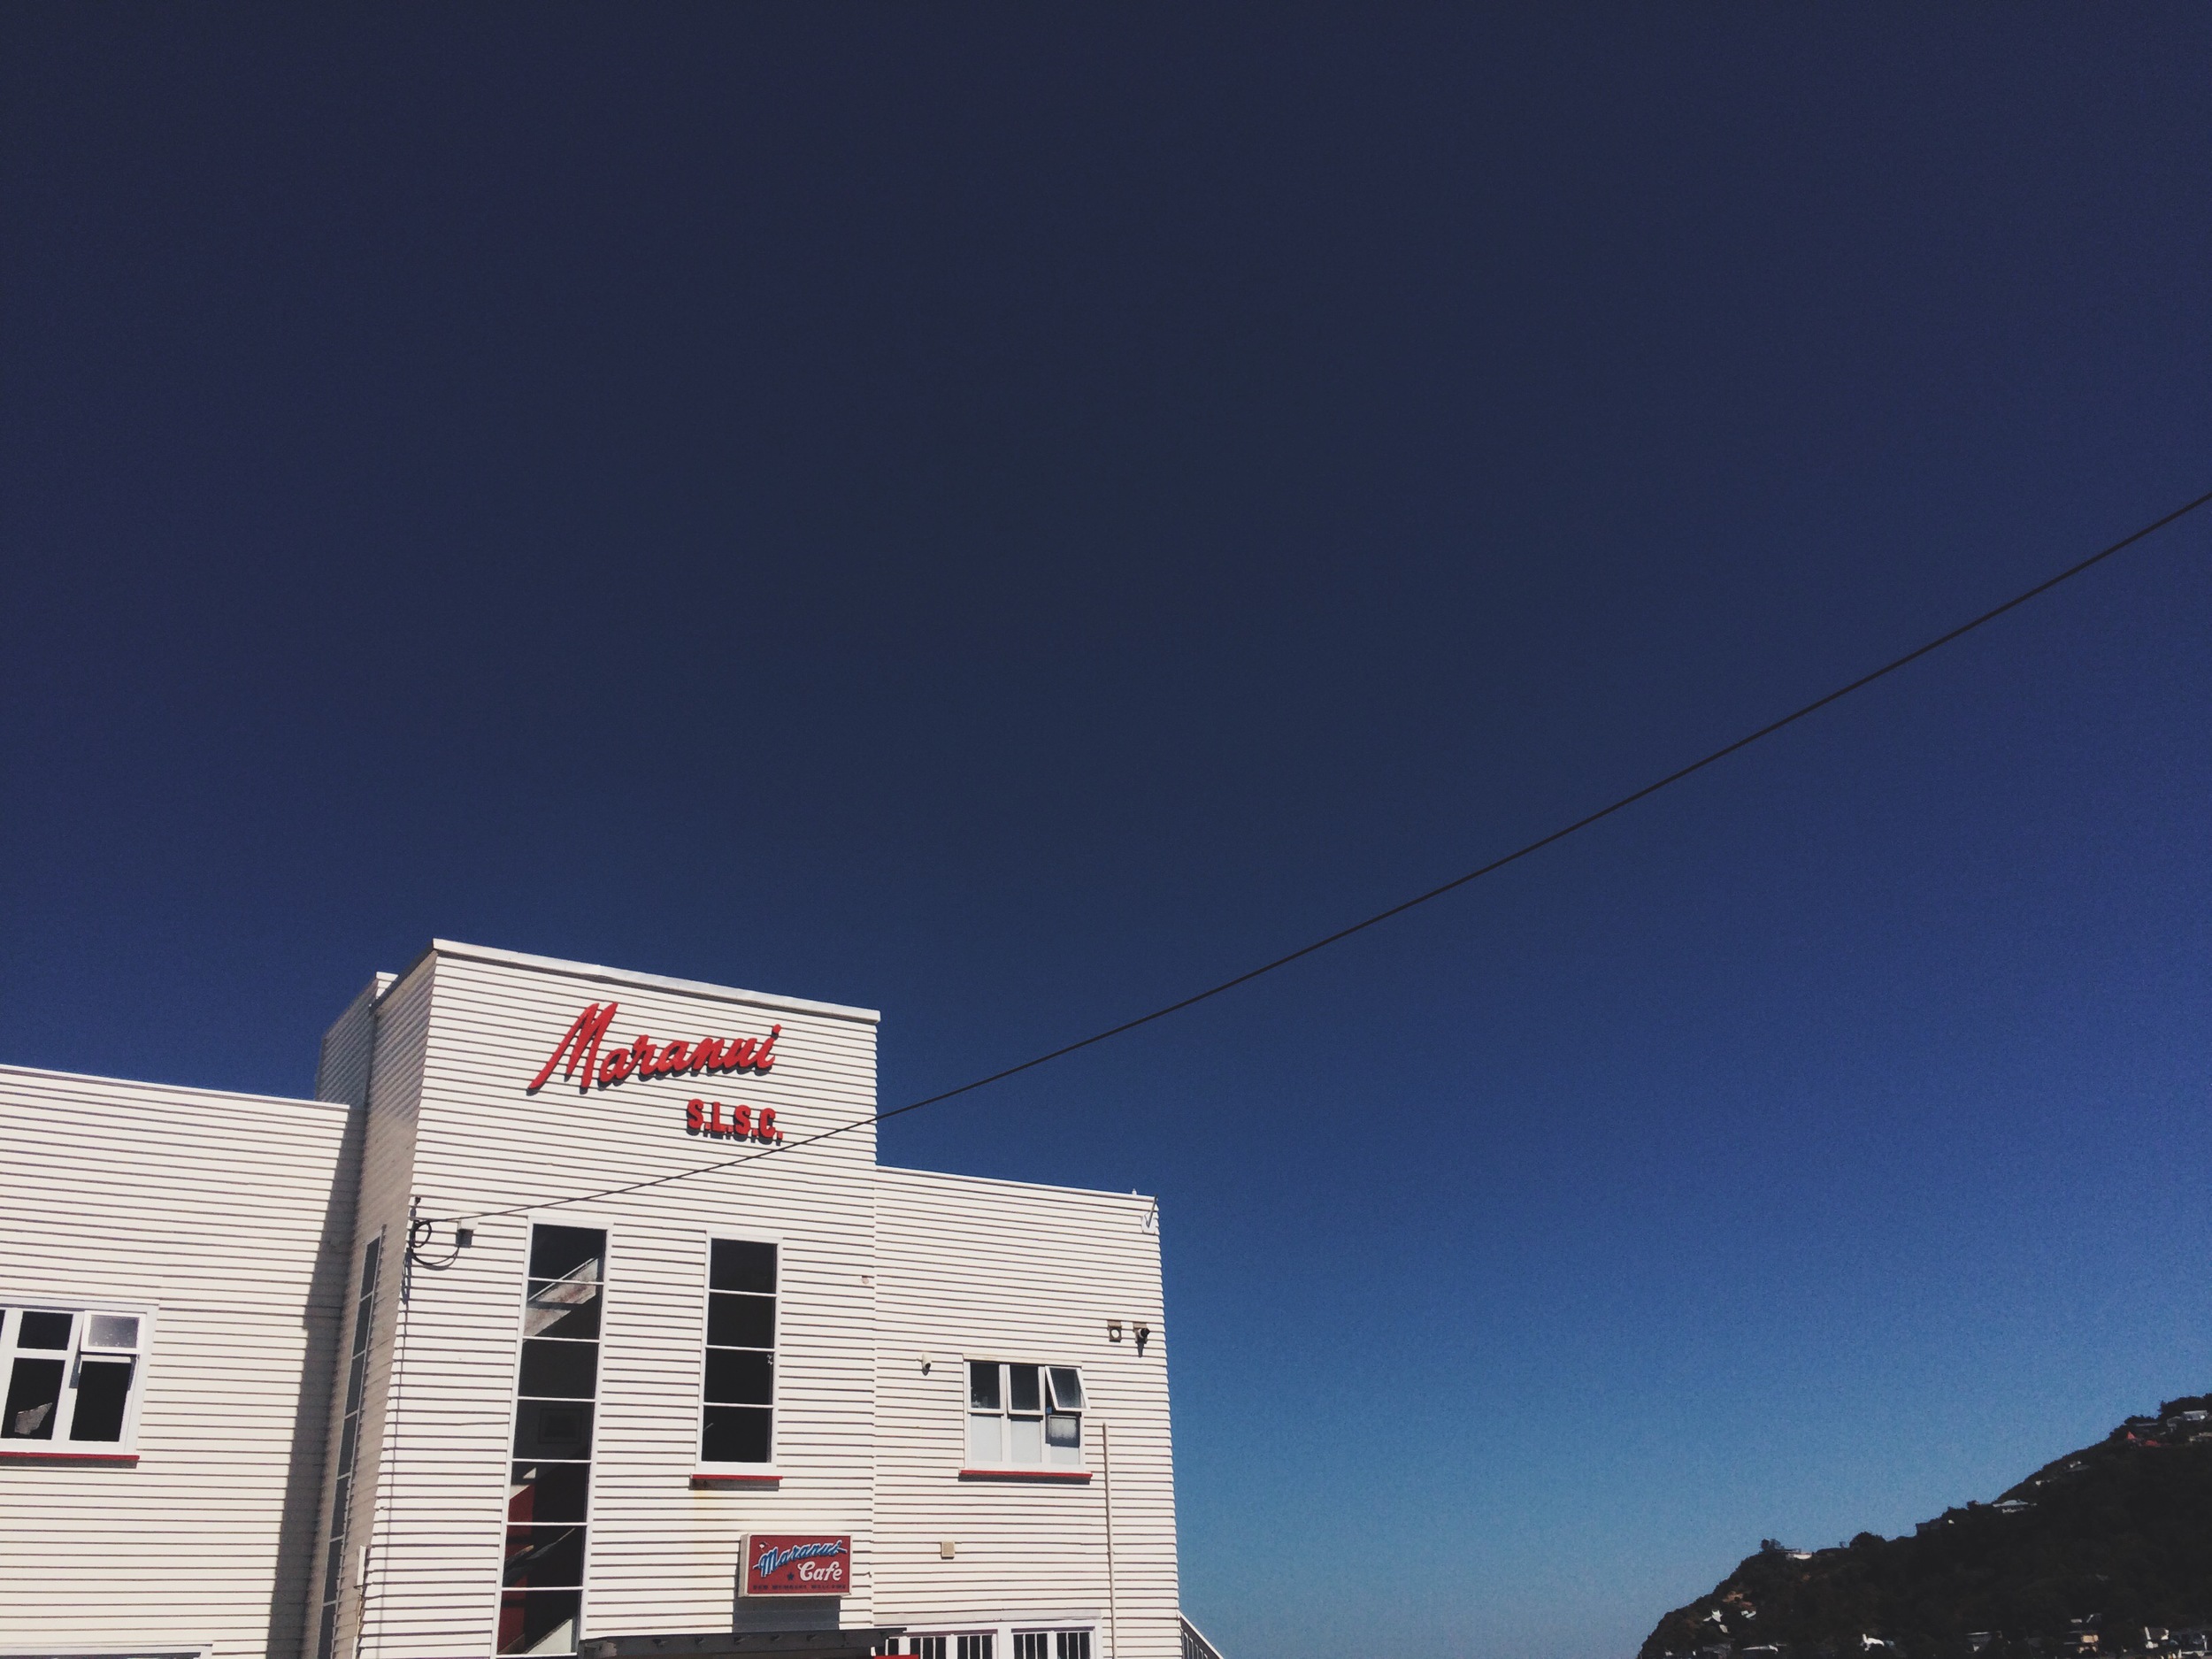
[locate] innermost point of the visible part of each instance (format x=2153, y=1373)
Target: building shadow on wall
x=304, y=1472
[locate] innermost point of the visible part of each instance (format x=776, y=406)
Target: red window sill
x=68, y=1457
x=715, y=1478
x=1076, y=1475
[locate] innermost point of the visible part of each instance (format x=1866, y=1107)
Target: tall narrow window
x=549, y=1486
x=71, y=1380
x=348, y=1447
x=737, y=1413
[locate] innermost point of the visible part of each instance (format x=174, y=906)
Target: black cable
x=1456, y=882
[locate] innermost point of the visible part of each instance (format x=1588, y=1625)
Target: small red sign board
x=793, y=1563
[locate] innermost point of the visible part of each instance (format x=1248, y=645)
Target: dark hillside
x=2080, y=1558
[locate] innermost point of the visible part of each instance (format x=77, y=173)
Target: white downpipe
x=1106, y=1482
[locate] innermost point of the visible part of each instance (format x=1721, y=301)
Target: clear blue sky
x=1009, y=517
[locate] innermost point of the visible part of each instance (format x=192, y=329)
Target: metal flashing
x=653, y=981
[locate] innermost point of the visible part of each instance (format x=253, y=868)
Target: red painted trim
x=70, y=1457
x=706, y=1478
x=1076, y=1475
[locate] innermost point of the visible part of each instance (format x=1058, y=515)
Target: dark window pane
x=1067, y=1389
x=982, y=1385
x=340, y=1498
x=559, y=1252
x=348, y=1440
x=1021, y=1389
x=44, y=1330
x=33, y=1393
x=546, y=1491
x=734, y=1434
x=544, y=1557
x=560, y=1371
x=740, y=1321
x=563, y=1307
x=738, y=1377
x=104, y=1386
x=552, y=1428
x=364, y=1305
x=542, y=1623
x=739, y=1265
x=356, y=1373
x=1061, y=1430
x=327, y=1637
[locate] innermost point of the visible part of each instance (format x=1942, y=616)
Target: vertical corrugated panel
x=1001, y=1270
x=217, y=1212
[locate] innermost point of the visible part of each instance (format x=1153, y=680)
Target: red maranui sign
x=645, y=1058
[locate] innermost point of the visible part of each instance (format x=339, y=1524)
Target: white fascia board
x=146, y=1085
x=953, y=1179
x=653, y=981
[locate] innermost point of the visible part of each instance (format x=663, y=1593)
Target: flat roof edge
x=1036, y=1187
x=656, y=981
x=168, y=1088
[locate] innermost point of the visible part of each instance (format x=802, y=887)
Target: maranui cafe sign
x=592, y=1065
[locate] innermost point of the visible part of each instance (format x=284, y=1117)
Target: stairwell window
x=1023, y=1416
x=73, y=1377
x=737, y=1413
x=549, y=1484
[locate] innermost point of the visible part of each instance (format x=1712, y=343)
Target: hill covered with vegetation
x=2082, y=1557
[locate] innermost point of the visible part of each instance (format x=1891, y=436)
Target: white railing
x=1194, y=1643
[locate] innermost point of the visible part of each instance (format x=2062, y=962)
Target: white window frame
x=531, y=1222
x=1077, y=1467
x=727, y=1473
x=58, y=1446
x=1005, y=1635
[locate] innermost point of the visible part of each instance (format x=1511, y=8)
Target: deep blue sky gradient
x=1009, y=517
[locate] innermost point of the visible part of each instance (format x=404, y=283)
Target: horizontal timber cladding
x=1001, y=1271
x=662, y=1553
x=267, y=1497
x=394, y=1085
x=225, y=1216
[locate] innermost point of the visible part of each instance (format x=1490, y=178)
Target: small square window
x=66, y=1375
x=1024, y=1416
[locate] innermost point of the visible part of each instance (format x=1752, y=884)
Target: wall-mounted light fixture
x=925, y=1364
x=1113, y=1329
x=1144, y=1335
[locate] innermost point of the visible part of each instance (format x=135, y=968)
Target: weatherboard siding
x=215, y=1211
x=403, y=1020
x=661, y=1555
x=1004, y=1270
x=246, y=1236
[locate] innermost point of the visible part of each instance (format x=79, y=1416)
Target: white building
x=467, y=1356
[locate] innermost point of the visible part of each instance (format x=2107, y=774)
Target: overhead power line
x=1400, y=908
